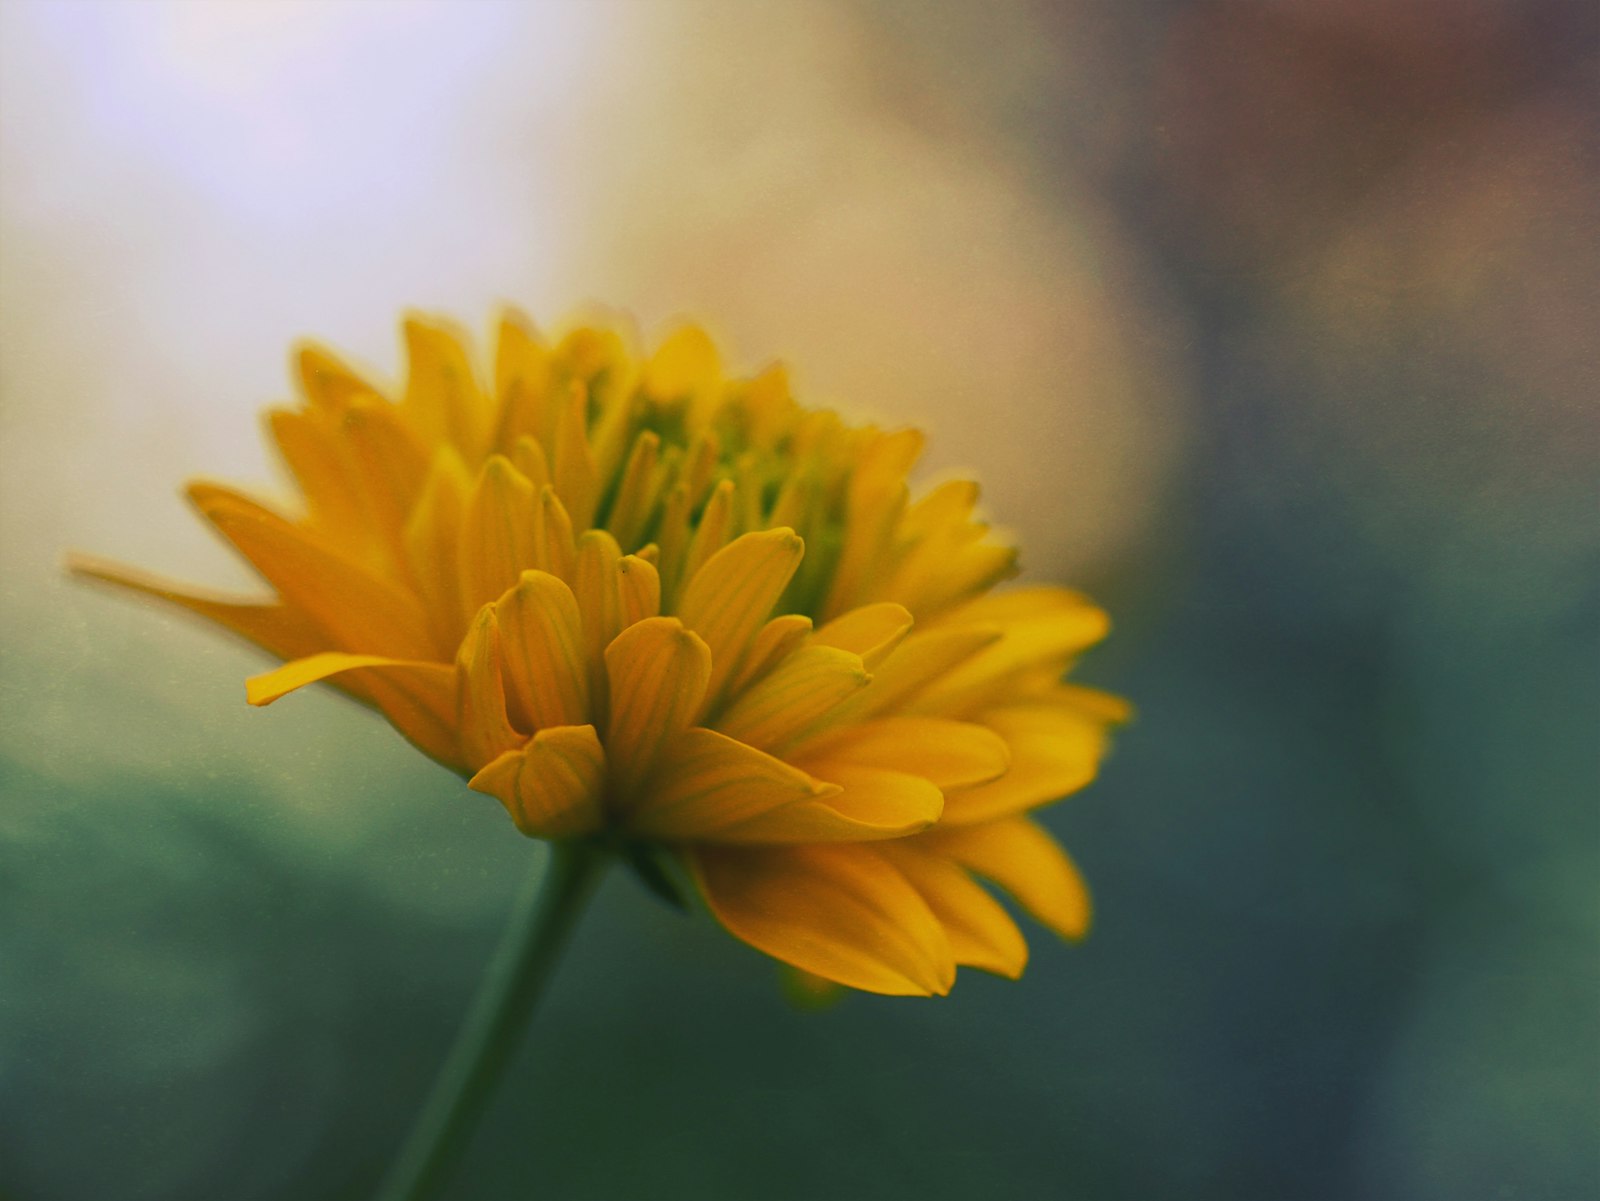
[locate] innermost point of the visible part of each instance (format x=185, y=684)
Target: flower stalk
x=546, y=911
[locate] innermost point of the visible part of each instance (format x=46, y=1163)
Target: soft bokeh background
x=1270, y=323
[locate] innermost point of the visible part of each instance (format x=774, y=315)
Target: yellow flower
x=633, y=599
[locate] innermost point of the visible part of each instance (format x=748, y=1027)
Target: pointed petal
x=431, y=539
x=772, y=644
x=1042, y=627
x=497, y=533
x=541, y=642
x=871, y=631
x=484, y=727
x=443, y=400
x=872, y=804
x=1054, y=751
x=657, y=672
x=359, y=611
x=981, y=932
x=274, y=627
x=950, y=754
x=1022, y=858
x=841, y=912
x=684, y=364
x=706, y=782
x=324, y=380
x=554, y=786
x=522, y=378
x=576, y=475
x=417, y=698
x=793, y=698
x=729, y=598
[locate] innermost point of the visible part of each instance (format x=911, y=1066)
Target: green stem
x=547, y=909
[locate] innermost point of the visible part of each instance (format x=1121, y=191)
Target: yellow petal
x=357, y=610
x=871, y=805
x=841, y=912
x=325, y=381
x=950, y=754
x=1054, y=751
x=522, y=380
x=871, y=631
x=729, y=598
x=1045, y=638
x=635, y=502
x=772, y=644
x=639, y=586
x=555, y=547
x=706, y=782
x=334, y=507
x=553, y=787
x=1023, y=859
x=922, y=659
x=417, y=698
x=497, y=533
x=981, y=932
x=574, y=471
x=710, y=535
x=794, y=697
x=657, y=672
x=390, y=466
x=594, y=583
x=485, y=727
x=432, y=535
x=684, y=364
x=541, y=643
x=443, y=401
x=284, y=632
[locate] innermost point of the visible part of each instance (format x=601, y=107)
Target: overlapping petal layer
x=630, y=598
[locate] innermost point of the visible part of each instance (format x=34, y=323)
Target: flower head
x=632, y=598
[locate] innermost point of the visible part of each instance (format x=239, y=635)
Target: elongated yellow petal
x=871, y=631
x=522, y=382
x=276, y=628
x=841, y=912
x=772, y=644
x=636, y=492
x=871, y=805
x=357, y=610
x=950, y=754
x=639, y=588
x=921, y=660
x=1022, y=858
x=542, y=649
x=981, y=932
x=706, y=782
x=1054, y=751
x=684, y=364
x=710, y=535
x=657, y=671
x=418, y=698
x=324, y=380
x=553, y=540
x=334, y=505
x=554, y=787
x=390, y=465
x=1046, y=639
x=729, y=598
x=574, y=471
x=432, y=534
x=443, y=400
x=497, y=533
x=481, y=717
x=794, y=697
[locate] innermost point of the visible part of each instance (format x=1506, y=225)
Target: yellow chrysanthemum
x=633, y=599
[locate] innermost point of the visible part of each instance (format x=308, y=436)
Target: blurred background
x=1271, y=324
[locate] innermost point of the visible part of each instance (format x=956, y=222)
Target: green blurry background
x=1271, y=324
